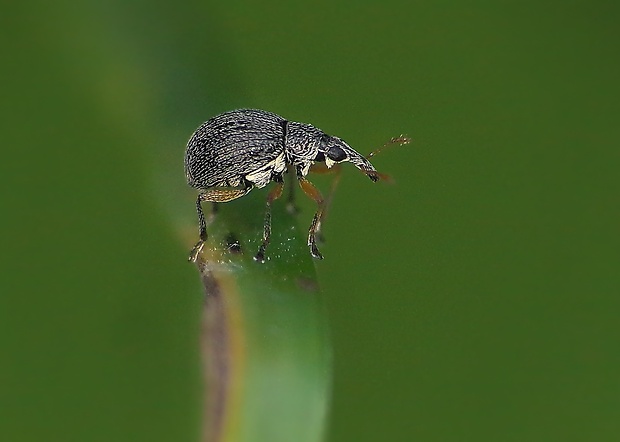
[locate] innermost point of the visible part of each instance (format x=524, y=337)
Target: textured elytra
x=230, y=146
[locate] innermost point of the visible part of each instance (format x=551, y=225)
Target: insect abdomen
x=232, y=145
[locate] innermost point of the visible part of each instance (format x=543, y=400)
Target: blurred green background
x=477, y=299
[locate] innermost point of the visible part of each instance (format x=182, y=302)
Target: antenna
x=401, y=140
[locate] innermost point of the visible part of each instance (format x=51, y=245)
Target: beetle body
x=250, y=147
x=236, y=151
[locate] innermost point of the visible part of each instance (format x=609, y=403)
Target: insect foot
x=193, y=255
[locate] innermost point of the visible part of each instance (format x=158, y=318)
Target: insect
x=237, y=151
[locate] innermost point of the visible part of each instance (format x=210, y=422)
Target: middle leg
x=273, y=195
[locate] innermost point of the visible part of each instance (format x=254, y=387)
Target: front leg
x=310, y=190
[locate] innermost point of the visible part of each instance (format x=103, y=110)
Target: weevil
x=237, y=151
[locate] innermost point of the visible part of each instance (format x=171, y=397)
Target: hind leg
x=214, y=195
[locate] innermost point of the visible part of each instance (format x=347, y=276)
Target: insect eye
x=336, y=153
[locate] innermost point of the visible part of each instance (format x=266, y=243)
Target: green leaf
x=265, y=346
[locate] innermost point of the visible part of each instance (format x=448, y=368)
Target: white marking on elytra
x=262, y=176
